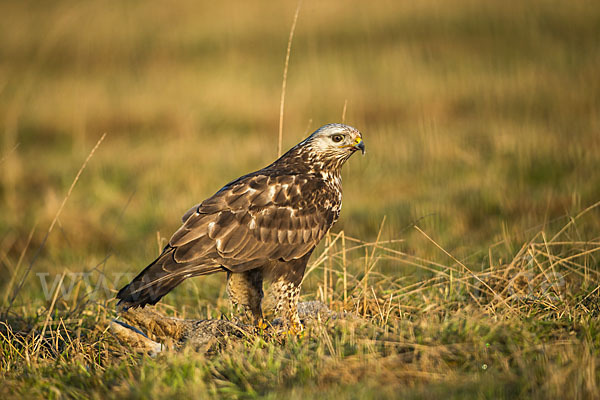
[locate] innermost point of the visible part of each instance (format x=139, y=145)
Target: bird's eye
x=337, y=138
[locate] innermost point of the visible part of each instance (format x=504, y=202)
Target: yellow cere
x=356, y=141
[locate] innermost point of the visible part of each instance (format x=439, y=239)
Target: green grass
x=481, y=121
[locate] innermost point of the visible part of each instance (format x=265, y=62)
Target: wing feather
x=255, y=218
x=281, y=236
x=189, y=212
x=194, y=250
x=306, y=235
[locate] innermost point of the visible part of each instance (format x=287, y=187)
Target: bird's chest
x=332, y=196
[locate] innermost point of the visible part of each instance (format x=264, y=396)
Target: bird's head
x=326, y=149
x=335, y=142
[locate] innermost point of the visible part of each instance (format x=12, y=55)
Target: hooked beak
x=359, y=145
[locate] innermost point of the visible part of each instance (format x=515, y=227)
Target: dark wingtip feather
x=146, y=288
x=129, y=297
x=158, y=279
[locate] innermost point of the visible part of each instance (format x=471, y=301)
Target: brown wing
x=255, y=219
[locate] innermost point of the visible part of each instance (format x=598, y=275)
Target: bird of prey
x=263, y=224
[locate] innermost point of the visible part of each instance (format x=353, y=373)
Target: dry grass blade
x=572, y=220
x=36, y=348
x=4, y=157
x=463, y=266
x=17, y=267
x=284, y=82
x=322, y=257
x=56, y=216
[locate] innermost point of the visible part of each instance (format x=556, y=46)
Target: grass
x=467, y=246
x=526, y=328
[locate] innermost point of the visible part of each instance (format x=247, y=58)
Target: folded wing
x=255, y=219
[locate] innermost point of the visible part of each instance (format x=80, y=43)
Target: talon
x=296, y=329
x=260, y=324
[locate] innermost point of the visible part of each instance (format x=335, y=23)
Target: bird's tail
x=158, y=279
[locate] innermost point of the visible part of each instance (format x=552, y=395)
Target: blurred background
x=481, y=119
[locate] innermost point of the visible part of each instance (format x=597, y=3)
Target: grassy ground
x=470, y=235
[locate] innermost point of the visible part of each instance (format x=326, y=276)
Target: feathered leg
x=245, y=290
x=286, y=278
